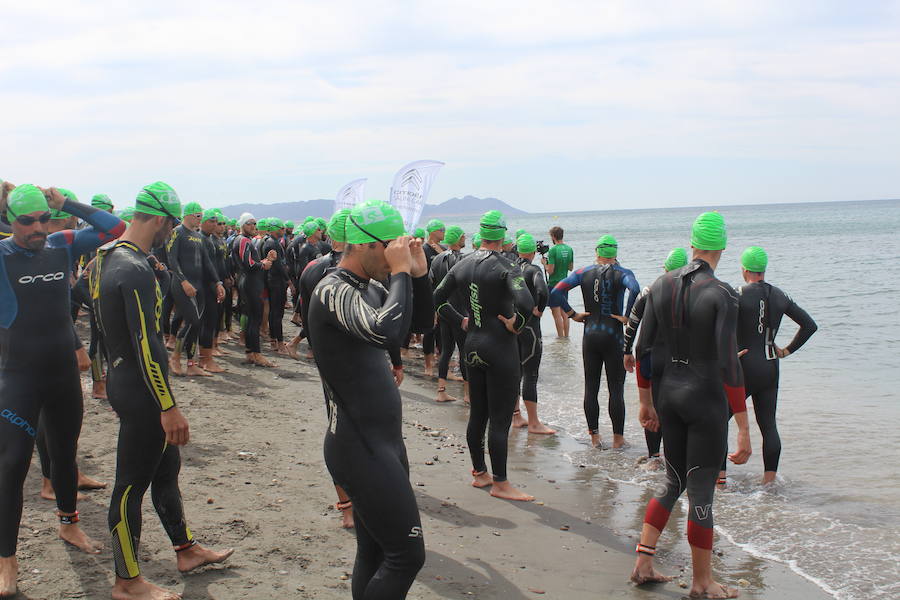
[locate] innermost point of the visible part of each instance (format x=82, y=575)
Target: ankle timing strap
x=68, y=519
x=645, y=549
x=344, y=505
x=183, y=547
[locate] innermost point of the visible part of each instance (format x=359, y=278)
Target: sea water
x=834, y=515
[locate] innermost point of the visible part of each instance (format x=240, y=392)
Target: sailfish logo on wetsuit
x=476, y=304
x=18, y=421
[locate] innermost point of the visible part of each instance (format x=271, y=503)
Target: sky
x=548, y=106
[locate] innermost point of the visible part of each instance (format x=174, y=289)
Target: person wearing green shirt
x=558, y=261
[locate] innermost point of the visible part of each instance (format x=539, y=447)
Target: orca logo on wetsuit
x=762, y=316
x=18, y=421
x=46, y=277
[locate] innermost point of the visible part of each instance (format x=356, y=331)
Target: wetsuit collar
x=352, y=278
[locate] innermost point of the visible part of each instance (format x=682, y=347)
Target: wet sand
x=254, y=478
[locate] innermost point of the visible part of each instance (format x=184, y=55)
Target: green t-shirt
x=560, y=256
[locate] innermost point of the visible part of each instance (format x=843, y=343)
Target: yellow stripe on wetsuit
x=152, y=370
x=122, y=534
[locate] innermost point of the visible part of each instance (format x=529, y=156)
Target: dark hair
x=142, y=217
x=556, y=233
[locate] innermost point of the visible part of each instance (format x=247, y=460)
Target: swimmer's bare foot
x=291, y=350
x=595, y=441
x=9, y=573
x=74, y=535
x=175, y=365
x=618, y=441
x=255, y=358
x=540, y=429
x=89, y=483
x=170, y=342
x=140, y=589
x=443, y=396
x=645, y=573
x=197, y=556
x=505, y=490
x=309, y=354
x=714, y=589
x=48, y=493
x=518, y=420
x=769, y=477
x=98, y=391
x=454, y=376
x=195, y=370
x=481, y=479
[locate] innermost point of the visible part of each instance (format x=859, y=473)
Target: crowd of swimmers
x=166, y=283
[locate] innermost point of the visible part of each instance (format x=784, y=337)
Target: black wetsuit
x=603, y=289
x=697, y=315
x=252, y=286
x=449, y=332
x=531, y=347
x=189, y=261
x=277, y=280
x=431, y=335
x=304, y=253
x=352, y=322
x=210, y=316
x=493, y=286
x=761, y=307
x=646, y=371
x=38, y=368
x=127, y=302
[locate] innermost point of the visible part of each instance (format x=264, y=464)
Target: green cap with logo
x=26, y=199
x=676, y=259
x=288, y=224
x=755, y=259
x=434, y=225
x=419, y=233
x=337, y=226
x=519, y=233
x=708, y=232
x=310, y=227
x=59, y=215
x=275, y=224
x=525, y=244
x=102, y=202
x=452, y=235
x=492, y=226
x=158, y=199
x=210, y=214
x=607, y=247
x=193, y=208
x=374, y=221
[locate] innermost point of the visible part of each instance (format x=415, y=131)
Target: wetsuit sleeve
x=139, y=299
x=634, y=320
x=245, y=254
x=634, y=290
x=172, y=251
x=726, y=342
x=382, y=327
x=560, y=290
x=523, y=302
x=807, y=326
x=423, y=304
x=396, y=359
x=104, y=227
x=442, y=295
x=649, y=326
x=542, y=292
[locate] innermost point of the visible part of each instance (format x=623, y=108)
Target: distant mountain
x=297, y=211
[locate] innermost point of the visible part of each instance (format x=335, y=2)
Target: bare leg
x=429, y=365
x=74, y=535
x=346, y=507
x=9, y=574
x=482, y=479
x=442, y=395
x=197, y=556
x=703, y=584
x=769, y=477
x=618, y=440
x=643, y=567
x=534, y=423
x=518, y=420
x=99, y=390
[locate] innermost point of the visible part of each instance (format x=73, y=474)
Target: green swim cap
x=232, y=222
x=210, y=214
x=322, y=223
x=275, y=223
x=288, y=224
x=607, y=247
x=452, y=235
x=308, y=219
x=434, y=225
x=755, y=259
x=127, y=213
x=193, y=208
x=476, y=241
x=708, y=232
x=374, y=219
x=492, y=226
x=59, y=215
x=519, y=233
x=102, y=202
x=337, y=226
x=158, y=199
x=26, y=199
x=676, y=259
x=525, y=244
x=420, y=233
x=310, y=228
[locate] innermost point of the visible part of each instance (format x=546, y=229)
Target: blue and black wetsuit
x=761, y=306
x=352, y=321
x=531, y=346
x=492, y=286
x=696, y=314
x=127, y=302
x=38, y=368
x=450, y=333
x=603, y=289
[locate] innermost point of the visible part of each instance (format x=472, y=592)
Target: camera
x=542, y=247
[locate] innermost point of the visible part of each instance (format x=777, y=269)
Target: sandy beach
x=254, y=478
